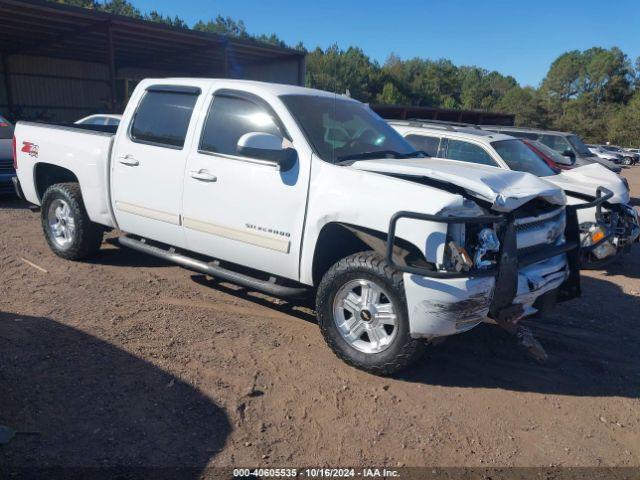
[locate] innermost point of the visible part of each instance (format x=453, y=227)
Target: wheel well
x=46, y=175
x=338, y=240
x=335, y=242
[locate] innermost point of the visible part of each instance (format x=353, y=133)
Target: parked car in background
x=606, y=154
x=565, y=143
x=294, y=191
x=628, y=158
x=604, y=232
x=6, y=156
x=550, y=156
x=100, y=119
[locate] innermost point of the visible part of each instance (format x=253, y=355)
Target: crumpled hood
x=506, y=190
x=585, y=180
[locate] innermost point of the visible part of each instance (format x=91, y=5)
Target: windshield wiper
x=380, y=154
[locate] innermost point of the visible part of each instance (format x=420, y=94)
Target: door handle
x=203, y=175
x=129, y=160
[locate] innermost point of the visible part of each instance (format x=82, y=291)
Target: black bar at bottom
x=540, y=255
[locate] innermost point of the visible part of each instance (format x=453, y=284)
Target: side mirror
x=569, y=153
x=265, y=146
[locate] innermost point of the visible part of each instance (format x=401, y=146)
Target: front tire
x=362, y=313
x=67, y=227
x=627, y=161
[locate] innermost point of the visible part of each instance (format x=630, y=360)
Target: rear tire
x=362, y=313
x=67, y=227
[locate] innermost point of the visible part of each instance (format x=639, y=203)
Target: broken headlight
x=592, y=234
x=469, y=246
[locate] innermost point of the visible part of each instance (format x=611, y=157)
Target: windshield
x=521, y=158
x=610, y=148
x=551, y=153
x=6, y=129
x=340, y=129
x=580, y=148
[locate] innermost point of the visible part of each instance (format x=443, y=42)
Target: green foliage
x=223, y=26
x=624, y=127
x=527, y=104
x=340, y=71
x=390, y=95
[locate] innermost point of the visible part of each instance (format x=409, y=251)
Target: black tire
x=403, y=351
x=86, y=237
x=627, y=161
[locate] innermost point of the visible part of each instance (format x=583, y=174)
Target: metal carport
x=61, y=62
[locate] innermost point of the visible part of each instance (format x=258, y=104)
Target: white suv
x=604, y=232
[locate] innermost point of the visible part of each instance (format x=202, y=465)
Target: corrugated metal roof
x=46, y=29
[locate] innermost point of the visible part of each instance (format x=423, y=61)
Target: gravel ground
x=127, y=360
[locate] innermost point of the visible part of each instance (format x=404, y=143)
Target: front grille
x=535, y=224
x=539, y=232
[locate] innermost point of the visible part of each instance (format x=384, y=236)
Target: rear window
x=426, y=144
x=6, y=129
x=163, y=118
x=557, y=142
x=521, y=158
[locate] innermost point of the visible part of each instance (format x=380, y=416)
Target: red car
x=549, y=155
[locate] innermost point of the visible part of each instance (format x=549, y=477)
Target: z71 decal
x=30, y=148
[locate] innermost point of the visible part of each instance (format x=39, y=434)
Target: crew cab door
x=241, y=209
x=148, y=163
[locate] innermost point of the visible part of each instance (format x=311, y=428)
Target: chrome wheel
x=365, y=316
x=62, y=225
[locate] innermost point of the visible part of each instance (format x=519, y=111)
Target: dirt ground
x=127, y=360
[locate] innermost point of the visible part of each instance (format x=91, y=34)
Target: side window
x=113, y=121
x=424, y=143
x=229, y=119
x=468, y=152
x=163, y=118
x=558, y=143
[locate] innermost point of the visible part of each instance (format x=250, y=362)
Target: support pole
x=302, y=70
x=111, y=60
x=7, y=84
x=225, y=60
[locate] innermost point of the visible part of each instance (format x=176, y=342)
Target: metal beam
x=111, y=61
x=302, y=70
x=225, y=61
x=55, y=39
x=7, y=84
x=168, y=56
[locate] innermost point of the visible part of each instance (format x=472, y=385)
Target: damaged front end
x=499, y=268
x=616, y=228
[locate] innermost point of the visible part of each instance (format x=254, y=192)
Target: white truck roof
x=276, y=89
x=479, y=135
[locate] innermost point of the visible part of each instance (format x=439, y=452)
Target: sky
x=518, y=38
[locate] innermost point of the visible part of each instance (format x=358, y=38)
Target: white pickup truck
x=293, y=191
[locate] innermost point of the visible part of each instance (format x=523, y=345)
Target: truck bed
x=83, y=150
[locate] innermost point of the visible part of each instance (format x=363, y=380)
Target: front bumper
x=443, y=307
